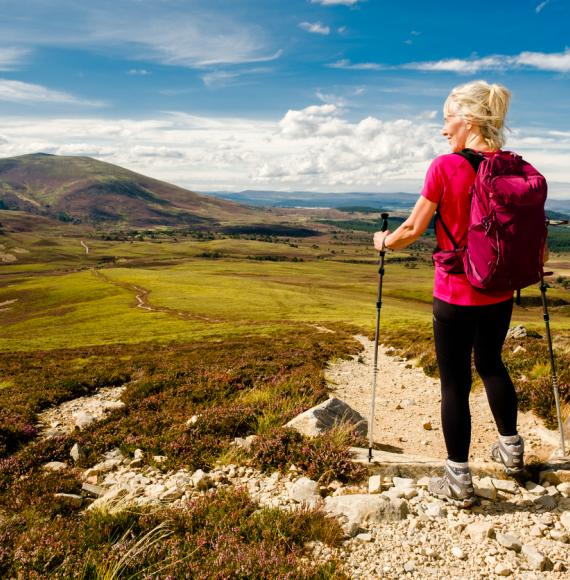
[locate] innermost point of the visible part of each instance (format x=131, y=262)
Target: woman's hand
x=379, y=237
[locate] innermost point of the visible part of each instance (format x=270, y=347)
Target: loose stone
x=458, y=553
x=479, y=531
x=502, y=570
x=509, y=541
x=55, y=466
x=535, y=559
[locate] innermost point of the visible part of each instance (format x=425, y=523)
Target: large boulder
x=326, y=416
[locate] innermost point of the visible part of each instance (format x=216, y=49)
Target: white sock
x=509, y=439
x=458, y=464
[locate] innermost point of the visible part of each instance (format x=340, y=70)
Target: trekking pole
x=383, y=228
x=553, y=374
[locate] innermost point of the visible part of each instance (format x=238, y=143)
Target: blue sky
x=328, y=95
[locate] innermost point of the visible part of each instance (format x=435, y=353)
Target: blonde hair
x=483, y=105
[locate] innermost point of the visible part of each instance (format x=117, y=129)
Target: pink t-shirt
x=447, y=183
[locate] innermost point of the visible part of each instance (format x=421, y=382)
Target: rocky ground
x=393, y=527
x=407, y=417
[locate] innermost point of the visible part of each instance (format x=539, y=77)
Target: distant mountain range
x=311, y=199
x=319, y=199
x=84, y=190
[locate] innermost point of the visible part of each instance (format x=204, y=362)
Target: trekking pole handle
x=384, y=225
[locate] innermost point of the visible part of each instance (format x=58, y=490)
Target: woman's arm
x=410, y=230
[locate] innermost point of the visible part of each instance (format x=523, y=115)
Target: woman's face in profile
x=454, y=128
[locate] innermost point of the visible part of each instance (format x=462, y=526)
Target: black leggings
x=459, y=330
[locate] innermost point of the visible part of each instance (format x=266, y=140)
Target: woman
x=465, y=319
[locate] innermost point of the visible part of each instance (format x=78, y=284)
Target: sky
x=295, y=95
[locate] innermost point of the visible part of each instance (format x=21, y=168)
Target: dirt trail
x=407, y=417
x=141, y=295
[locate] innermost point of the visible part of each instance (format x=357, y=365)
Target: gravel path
x=407, y=417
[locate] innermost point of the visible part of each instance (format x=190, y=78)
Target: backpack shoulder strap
x=473, y=157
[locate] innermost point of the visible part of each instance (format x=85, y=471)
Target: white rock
x=409, y=566
x=506, y=485
x=502, y=570
x=403, y=482
x=192, y=421
x=76, y=453
x=304, y=490
x=535, y=559
x=564, y=489
x=565, y=520
x=559, y=536
x=435, y=510
x=120, y=494
x=361, y=509
x=364, y=537
x=138, y=454
x=105, y=466
x=484, y=488
x=159, y=458
x=509, y=541
x=201, y=480
x=93, y=490
x=112, y=405
x=82, y=419
x=55, y=466
x=458, y=553
x=423, y=481
x=480, y=531
x=154, y=491
x=324, y=417
x=375, y=484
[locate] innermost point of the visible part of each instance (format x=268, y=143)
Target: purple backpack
x=507, y=225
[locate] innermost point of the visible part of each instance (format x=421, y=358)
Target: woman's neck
x=477, y=143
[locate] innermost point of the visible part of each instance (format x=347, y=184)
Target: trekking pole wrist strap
x=385, y=248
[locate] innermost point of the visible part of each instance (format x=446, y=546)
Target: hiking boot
x=509, y=452
x=455, y=486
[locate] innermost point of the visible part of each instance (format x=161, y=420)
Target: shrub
x=324, y=458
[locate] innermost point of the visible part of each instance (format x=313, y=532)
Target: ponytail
x=485, y=106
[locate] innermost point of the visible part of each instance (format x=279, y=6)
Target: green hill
x=85, y=190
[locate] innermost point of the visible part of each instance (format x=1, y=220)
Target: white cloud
x=554, y=62
x=138, y=72
x=223, y=78
x=541, y=6
x=219, y=78
x=166, y=32
x=315, y=28
x=335, y=2
x=10, y=58
x=19, y=92
x=345, y=64
x=458, y=65
x=318, y=147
